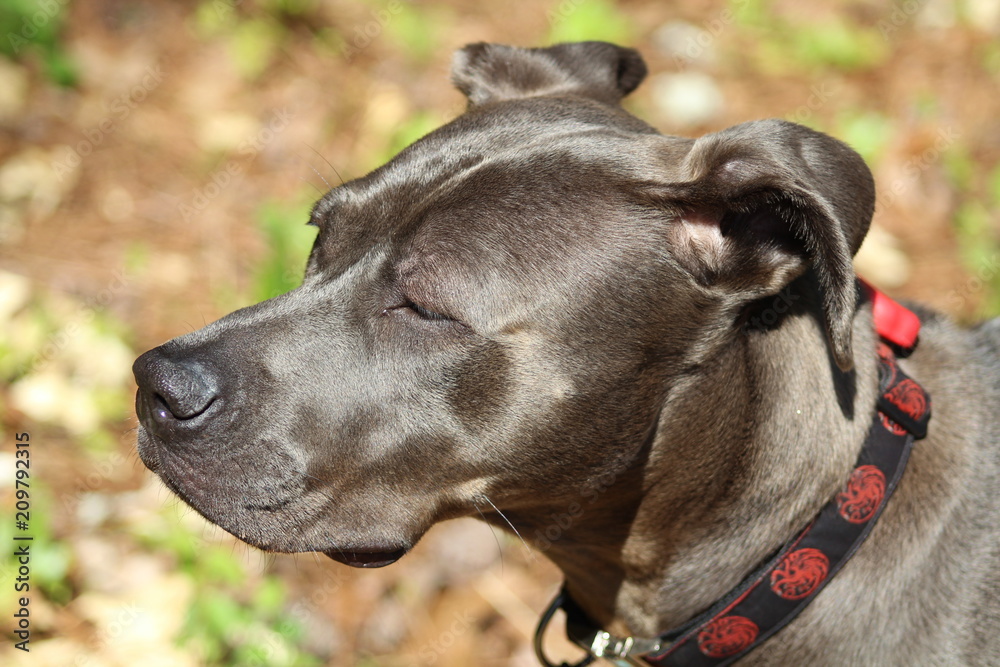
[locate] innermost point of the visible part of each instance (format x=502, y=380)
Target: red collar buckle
x=894, y=323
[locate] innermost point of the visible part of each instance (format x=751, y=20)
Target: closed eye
x=425, y=313
x=419, y=311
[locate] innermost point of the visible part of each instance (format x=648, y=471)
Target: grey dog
x=546, y=309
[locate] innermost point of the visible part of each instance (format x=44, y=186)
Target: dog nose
x=173, y=390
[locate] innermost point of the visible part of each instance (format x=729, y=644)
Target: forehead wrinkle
x=443, y=174
x=518, y=265
x=464, y=144
x=507, y=130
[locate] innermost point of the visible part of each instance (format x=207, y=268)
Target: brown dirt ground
x=124, y=199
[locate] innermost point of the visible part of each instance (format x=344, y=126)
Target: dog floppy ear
x=494, y=72
x=760, y=203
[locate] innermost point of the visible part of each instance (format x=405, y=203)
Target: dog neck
x=732, y=473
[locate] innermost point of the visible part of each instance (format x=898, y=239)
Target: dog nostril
x=174, y=390
x=186, y=396
x=160, y=406
x=179, y=409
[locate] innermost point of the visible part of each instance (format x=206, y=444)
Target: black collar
x=787, y=582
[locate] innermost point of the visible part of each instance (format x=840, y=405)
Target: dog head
x=496, y=316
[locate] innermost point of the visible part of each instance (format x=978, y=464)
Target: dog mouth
x=366, y=558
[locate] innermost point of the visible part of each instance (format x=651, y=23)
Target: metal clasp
x=620, y=651
x=597, y=643
x=543, y=623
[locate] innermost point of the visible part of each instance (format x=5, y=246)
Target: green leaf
x=416, y=29
x=960, y=167
x=866, y=132
x=269, y=597
x=839, y=45
x=993, y=188
x=289, y=241
x=756, y=13
x=582, y=20
x=418, y=125
x=972, y=227
x=36, y=26
x=219, y=566
x=253, y=45
x=214, y=17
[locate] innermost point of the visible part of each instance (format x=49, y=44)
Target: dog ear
x=494, y=72
x=760, y=203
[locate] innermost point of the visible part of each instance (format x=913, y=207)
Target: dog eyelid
x=316, y=219
x=425, y=313
x=321, y=212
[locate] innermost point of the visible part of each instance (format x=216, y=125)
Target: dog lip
x=366, y=558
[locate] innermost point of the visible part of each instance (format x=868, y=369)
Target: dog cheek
x=479, y=392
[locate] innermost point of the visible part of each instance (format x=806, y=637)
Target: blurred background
x=157, y=161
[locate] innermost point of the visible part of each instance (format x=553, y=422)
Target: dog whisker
x=531, y=554
x=323, y=157
x=495, y=537
x=315, y=171
x=312, y=184
x=325, y=182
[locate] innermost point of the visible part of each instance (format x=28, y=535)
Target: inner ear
x=750, y=250
x=816, y=184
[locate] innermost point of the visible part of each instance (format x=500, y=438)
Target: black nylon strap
x=818, y=553
x=777, y=592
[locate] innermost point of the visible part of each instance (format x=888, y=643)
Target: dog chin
x=257, y=529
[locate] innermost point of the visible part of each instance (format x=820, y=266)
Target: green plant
x=960, y=167
x=35, y=27
x=751, y=13
x=417, y=29
x=783, y=46
x=976, y=231
x=288, y=240
x=234, y=619
x=580, y=20
x=232, y=623
x=867, y=132
x=252, y=41
x=837, y=44
x=253, y=45
x=50, y=558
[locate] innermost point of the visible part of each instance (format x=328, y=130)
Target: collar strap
x=896, y=325
x=768, y=599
